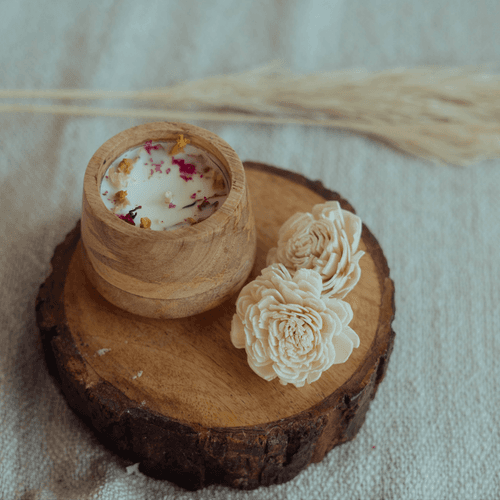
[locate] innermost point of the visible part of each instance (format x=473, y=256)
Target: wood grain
x=197, y=414
x=167, y=274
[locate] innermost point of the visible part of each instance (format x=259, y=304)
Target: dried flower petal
x=127, y=218
x=145, y=223
x=181, y=144
x=149, y=146
x=120, y=196
x=125, y=166
x=184, y=168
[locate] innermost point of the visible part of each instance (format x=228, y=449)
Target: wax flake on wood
x=103, y=351
x=134, y=469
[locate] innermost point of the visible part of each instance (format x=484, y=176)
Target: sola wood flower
x=288, y=330
x=325, y=241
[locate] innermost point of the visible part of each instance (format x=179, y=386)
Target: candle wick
x=131, y=212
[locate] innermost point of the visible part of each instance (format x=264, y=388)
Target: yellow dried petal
x=120, y=196
x=145, y=223
x=126, y=166
x=181, y=144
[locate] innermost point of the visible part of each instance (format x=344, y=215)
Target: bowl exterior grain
x=168, y=274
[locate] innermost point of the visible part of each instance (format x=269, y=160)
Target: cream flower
x=325, y=241
x=288, y=330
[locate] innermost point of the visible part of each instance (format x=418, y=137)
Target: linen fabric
x=432, y=431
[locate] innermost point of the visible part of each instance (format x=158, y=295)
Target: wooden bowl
x=168, y=274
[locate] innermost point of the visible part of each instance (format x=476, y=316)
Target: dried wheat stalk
x=442, y=114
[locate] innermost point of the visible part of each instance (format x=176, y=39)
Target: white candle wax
x=172, y=191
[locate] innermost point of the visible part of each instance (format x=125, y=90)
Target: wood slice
x=176, y=396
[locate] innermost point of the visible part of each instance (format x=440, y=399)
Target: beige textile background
x=433, y=430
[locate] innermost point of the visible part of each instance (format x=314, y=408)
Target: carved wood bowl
x=167, y=274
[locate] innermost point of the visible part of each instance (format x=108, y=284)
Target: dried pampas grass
x=441, y=114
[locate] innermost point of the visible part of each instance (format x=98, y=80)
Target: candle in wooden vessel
x=171, y=190
x=166, y=273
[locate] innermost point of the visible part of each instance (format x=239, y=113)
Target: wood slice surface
x=176, y=396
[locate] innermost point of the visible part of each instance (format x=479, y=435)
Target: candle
x=165, y=185
x=129, y=186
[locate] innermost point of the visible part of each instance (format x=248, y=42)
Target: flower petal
x=310, y=277
x=353, y=227
x=325, y=209
x=237, y=332
x=343, y=348
x=265, y=371
x=290, y=296
x=295, y=224
x=352, y=335
x=313, y=376
x=272, y=256
x=342, y=309
x=260, y=352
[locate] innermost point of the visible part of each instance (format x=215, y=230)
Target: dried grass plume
x=442, y=114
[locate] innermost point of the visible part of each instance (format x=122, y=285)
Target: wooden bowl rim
x=165, y=131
